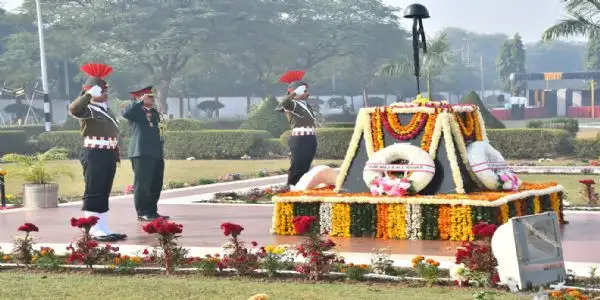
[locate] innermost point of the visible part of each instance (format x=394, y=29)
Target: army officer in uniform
x=146, y=153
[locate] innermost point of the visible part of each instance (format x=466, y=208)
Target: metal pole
x=2, y=191
x=47, y=115
x=593, y=107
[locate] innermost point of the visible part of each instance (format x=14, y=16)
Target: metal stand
x=2, y=192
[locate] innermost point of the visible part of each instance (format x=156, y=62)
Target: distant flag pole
x=47, y=104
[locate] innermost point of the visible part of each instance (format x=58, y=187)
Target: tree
x=435, y=62
x=489, y=119
x=582, y=20
x=592, y=57
x=210, y=107
x=512, y=60
x=264, y=117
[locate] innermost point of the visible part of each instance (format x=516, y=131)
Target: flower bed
x=443, y=217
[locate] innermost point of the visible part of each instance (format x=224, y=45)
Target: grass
x=175, y=171
x=32, y=285
x=569, y=182
x=584, y=133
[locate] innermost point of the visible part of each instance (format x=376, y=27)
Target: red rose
x=145, y=252
x=28, y=227
x=84, y=222
x=92, y=244
x=587, y=181
x=302, y=224
x=254, y=244
x=230, y=228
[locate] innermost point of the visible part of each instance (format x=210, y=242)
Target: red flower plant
x=162, y=226
x=230, y=228
x=28, y=227
x=484, y=230
x=587, y=181
x=302, y=224
x=84, y=222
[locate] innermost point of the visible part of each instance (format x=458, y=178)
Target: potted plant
x=39, y=191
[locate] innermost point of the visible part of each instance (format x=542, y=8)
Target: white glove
x=300, y=90
x=95, y=91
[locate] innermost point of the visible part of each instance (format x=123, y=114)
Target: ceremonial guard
x=146, y=152
x=302, y=119
x=100, y=132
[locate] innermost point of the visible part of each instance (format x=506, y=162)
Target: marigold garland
x=428, y=134
x=376, y=131
x=555, y=204
x=392, y=124
x=396, y=224
x=461, y=223
x=478, y=126
x=444, y=221
x=382, y=220
x=284, y=224
x=467, y=126
x=537, y=207
x=518, y=208
x=504, y=213
x=340, y=220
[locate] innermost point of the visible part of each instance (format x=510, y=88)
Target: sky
x=527, y=17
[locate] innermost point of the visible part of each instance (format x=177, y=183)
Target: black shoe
x=161, y=216
x=146, y=218
x=105, y=238
x=119, y=236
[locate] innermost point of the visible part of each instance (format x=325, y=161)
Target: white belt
x=96, y=142
x=304, y=131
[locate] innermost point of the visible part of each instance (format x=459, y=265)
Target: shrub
x=315, y=250
x=265, y=117
x=213, y=144
x=184, y=125
x=31, y=131
x=223, y=124
x=332, y=142
x=33, y=167
x=570, y=125
x=587, y=148
x=356, y=272
x=237, y=256
x=530, y=143
x=13, y=141
x=70, y=140
x=23, y=248
x=168, y=233
x=343, y=117
x=86, y=250
x=45, y=258
x=427, y=269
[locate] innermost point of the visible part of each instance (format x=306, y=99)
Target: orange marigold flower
x=556, y=294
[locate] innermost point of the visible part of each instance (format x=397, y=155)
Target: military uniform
x=100, y=131
x=303, y=139
x=146, y=154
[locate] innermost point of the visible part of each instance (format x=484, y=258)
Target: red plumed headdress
x=96, y=70
x=291, y=76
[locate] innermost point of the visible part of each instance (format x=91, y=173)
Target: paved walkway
x=581, y=238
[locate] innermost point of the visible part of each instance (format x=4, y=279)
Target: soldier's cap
x=142, y=92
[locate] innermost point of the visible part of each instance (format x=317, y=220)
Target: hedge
x=31, y=131
x=71, y=140
x=212, y=144
x=13, y=141
x=185, y=124
x=522, y=143
x=340, y=118
x=339, y=125
x=332, y=142
x=223, y=124
x=570, y=125
x=587, y=148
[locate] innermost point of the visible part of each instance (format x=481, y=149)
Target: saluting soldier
x=100, y=132
x=302, y=119
x=146, y=152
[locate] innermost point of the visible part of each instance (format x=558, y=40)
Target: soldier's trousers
x=148, y=181
x=303, y=148
x=99, y=167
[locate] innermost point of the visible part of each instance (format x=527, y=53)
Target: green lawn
x=22, y=285
x=175, y=170
x=569, y=182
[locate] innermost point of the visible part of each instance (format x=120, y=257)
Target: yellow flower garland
x=428, y=134
x=284, y=224
x=340, y=220
x=461, y=223
x=466, y=126
x=537, y=206
x=398, y=128
x=396, y=224
x=377, y=130
x=504, y=213
x=518, y=208
x=555, y=204
x=478, y=126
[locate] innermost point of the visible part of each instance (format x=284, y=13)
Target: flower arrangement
x=340, y=220
x=426, y=268
x=391, y=186
x=408, y=132
x=314, y=249
x=589, y=192
x=167, y=235
x=86, y=250
x=23, y=249
x=567, y=294
x=238, y=257
x=126, y=264
x=480, y=264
